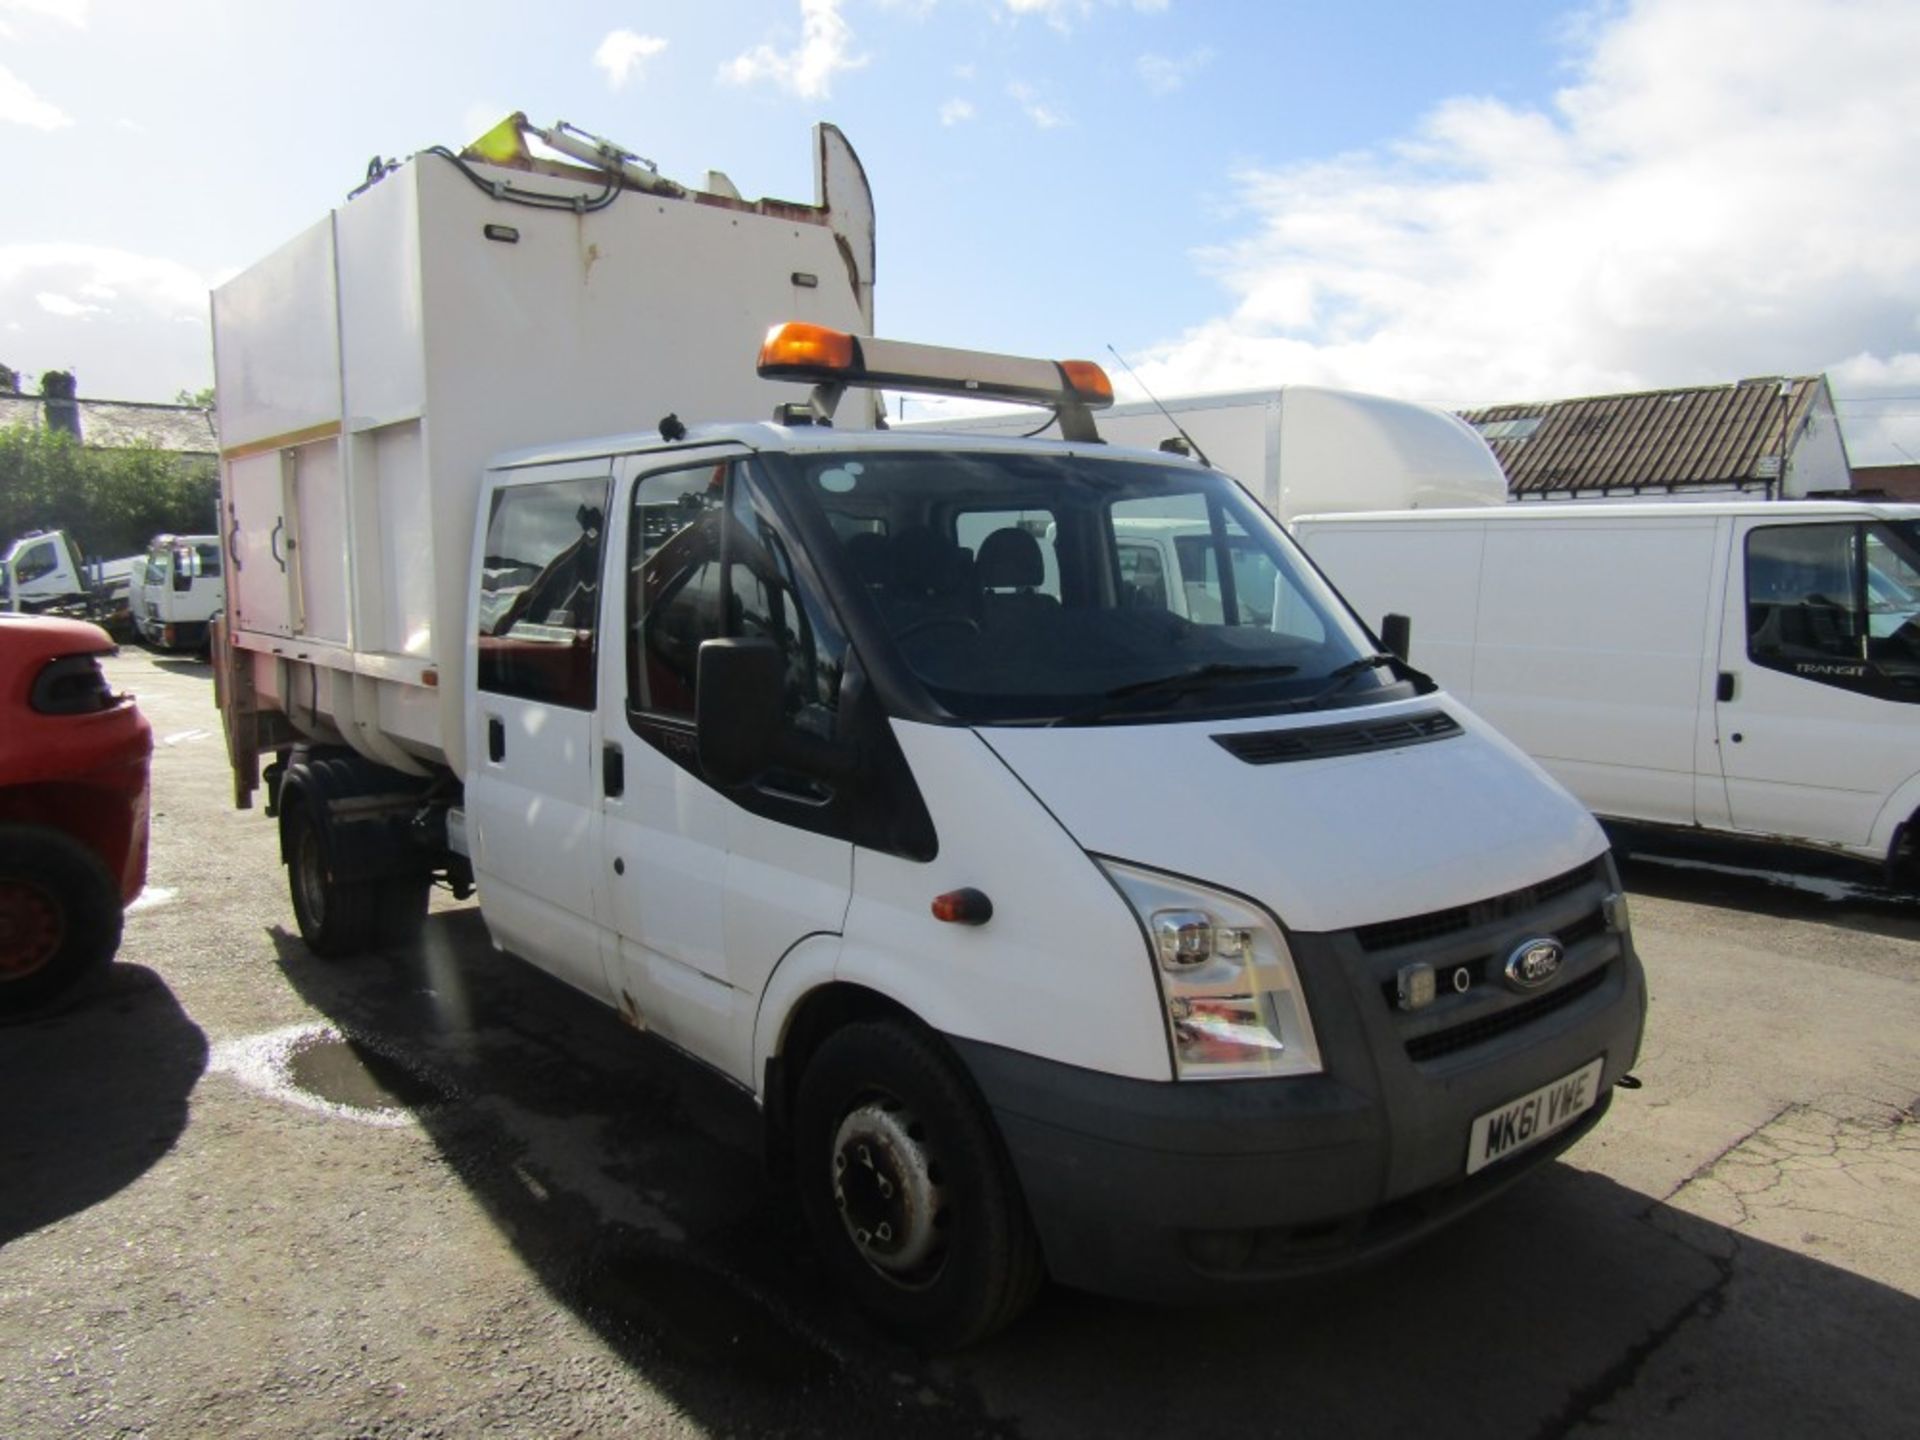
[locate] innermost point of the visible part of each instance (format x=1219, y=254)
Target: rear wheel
x=59, y=915
x=400, y=909
x=907, y=1189
x=336, y=918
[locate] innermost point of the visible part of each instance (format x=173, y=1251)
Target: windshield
x=1053, y=588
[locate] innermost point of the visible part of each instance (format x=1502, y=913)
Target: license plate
x=1532, y=1118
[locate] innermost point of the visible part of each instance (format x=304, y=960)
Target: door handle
x=273, y=544
x=496, y=739
x=613, y=771
x=1724, y=692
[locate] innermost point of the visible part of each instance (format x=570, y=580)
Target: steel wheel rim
x=33, y=927
x=888, y=1192
x=311, y=875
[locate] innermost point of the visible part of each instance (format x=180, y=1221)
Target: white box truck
x=1168, y=950
x=1749, y=668
x=1303, y=449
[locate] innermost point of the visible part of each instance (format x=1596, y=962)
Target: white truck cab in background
x=1054, y=927
x=1751, y=668
x=178, y=588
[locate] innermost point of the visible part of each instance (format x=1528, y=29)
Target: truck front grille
x=1391, y=934
x=1514, y=1017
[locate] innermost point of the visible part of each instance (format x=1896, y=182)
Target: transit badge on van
x=1534, y=962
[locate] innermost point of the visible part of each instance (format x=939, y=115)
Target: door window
x=708, y=562
x=1837, y=605
x=36, y=561
x=540, y=592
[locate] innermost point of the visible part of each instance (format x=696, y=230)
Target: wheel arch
x=1898, y=827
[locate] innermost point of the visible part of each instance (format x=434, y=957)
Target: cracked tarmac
x=559, y=1230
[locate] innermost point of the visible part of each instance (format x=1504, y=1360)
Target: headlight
x=1233, y=1000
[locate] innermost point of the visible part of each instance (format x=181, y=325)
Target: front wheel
x=907, y=1189
x=59, y=915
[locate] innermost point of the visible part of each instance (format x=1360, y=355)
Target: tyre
x=907, y=1189
x=336, y=918
x=59, y=915
x=400, y=909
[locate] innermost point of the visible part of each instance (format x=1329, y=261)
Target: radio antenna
x=1133, y=375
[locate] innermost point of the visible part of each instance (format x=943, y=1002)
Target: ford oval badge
x=1534, y=962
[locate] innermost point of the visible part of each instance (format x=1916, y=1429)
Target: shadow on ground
x=92, y=1093
x=180, y=664
x=629, y=1181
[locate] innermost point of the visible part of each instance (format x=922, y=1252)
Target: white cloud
x=1043, y=114
x=956, y=112
x=807, y=71
x=65, y=306
x=624, y=54
x=20, y=106
x=1725, y=189
x=73, y=12
x=1163, y=75
x=133, y=326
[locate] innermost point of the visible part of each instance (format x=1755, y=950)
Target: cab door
x=1815, y=721
x=533, y=722
x=705, y=894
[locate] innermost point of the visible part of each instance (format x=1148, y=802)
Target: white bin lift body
x=369, y=368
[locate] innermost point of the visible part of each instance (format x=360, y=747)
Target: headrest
x=923, y=562
x=867, y=552
x=1009, y=559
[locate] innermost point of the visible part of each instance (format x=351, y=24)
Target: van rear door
x=533, y=763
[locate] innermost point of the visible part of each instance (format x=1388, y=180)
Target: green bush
x=110, y=500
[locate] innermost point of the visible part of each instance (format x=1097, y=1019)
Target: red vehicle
x=74, y=766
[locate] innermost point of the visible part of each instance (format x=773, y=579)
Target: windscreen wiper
x=1341, y=676
x=1181, y=682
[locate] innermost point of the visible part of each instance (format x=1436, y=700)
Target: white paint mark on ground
x=265, y=1063
x=180, y=737
x=152, y=898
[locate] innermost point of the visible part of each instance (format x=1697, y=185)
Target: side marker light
x=963, y=907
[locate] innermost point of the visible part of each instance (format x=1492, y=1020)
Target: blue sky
x=1460, y=203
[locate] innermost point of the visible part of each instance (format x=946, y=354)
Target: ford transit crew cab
x=1054, y=926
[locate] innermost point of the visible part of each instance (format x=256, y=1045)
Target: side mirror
x=739, y=690
x=1396, y=633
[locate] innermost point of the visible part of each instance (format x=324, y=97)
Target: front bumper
x=1167, y=1191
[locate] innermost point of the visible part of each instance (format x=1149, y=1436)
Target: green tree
x=111, y=500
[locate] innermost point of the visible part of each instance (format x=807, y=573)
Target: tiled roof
x=186, y=429
x=1714, y=436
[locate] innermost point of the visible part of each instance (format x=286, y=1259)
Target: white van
x=1751, y=668
x=180, y=589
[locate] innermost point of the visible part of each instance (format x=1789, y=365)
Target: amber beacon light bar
x=833, y=360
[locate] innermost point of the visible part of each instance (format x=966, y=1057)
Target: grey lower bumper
x=1167, y=1191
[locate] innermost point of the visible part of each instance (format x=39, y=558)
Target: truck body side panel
x=370, y=369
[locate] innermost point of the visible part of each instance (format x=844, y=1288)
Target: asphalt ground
x=246, y=1192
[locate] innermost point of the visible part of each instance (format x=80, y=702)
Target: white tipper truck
x=1055, y=928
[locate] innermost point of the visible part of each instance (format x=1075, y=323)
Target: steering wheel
x=931, y=622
